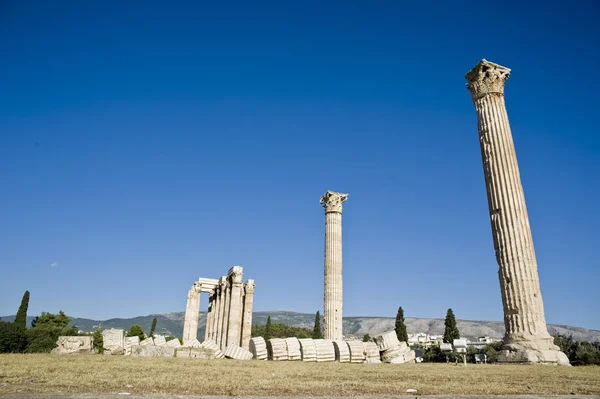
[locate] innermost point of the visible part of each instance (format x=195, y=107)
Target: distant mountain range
x=172, y=324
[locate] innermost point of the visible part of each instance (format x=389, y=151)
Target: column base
x=533, y=352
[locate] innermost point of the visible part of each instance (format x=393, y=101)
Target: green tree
x=153, y=328
x=400, y=327
x=53, y=320
x=451, y=331
x=21, y=317
x=136, y=331
x=268, y=333
x=317, y=333
x=492, y=351
x=12, y=338
x=366, y=338
x=98, y=341
x=280, y=330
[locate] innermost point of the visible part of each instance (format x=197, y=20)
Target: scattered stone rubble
x=342, y=352
x=293, y=349
x=308, y=350
x=325, y=351
x=72, y=345
x=392, y=350
x=277, y=349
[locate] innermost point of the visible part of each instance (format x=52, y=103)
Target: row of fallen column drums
x=314, y=350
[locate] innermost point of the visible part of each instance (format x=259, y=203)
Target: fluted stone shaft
x=226, y=304
x=247, y=316
x=219, y=316
x=519, y=282
x=332, y=316
x=234, y=332
x=213, y=314
x=192, y=309
x=208, y=317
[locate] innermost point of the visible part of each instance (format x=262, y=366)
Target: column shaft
x=192, y=309
x=333, y=277
x=247, y=318
x=225, y=322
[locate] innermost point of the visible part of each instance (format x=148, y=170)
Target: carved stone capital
x=486, y=78
x=236, y=274
x=332, y=201
x=249, y=287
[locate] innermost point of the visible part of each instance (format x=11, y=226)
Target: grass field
x=114, y=374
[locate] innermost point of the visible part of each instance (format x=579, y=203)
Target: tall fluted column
x=234, y=331
x=332, y=316
x=527, y=339
x=219, y=318
x=212, y=314
x=192, y=309
x=209, y=314
x=247, y=317
x=225, y=321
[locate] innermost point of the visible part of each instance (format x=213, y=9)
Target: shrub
x=12, y=338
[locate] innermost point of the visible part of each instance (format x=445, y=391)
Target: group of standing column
x=229, y=317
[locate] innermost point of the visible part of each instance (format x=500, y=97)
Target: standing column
x=225, y=321
x=247, y=317
x=234, y=331
x=192, y=309
x=208, y=317
x=219, y=317
x=527, y=339
x=332, y=202
x=213, y=312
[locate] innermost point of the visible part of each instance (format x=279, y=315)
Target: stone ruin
x=73, y=344
x=229, y=316
x=386, y=348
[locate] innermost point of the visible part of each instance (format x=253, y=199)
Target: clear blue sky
x=146, y=144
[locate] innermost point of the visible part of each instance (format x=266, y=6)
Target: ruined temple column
x=527, y=339
x=247, y=317
x=225, y=318
x=219, y=314
x=212, y=314
x=234, y=331
x=192, y=309
x=209, y=314
x=332, y=320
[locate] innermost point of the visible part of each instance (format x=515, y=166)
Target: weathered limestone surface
x=129, y=342
x=325, y=350
x=152, y=351
x=527, y=339
x=332, y=316
x=192, y=344
x=308, y=350
x=212, y=345
x=73, y=345
x=160, y=340
x=237, y=353
x=190, y=326
x=174, y=343
x=234, y=332
x=258, y=348
x=293, y=349
x=357, y=351
x=371, y=352
x=342, y=352
x=386, y=340
x=114, y=341
x=277, y=349
x=247, y=316
x=147, y=342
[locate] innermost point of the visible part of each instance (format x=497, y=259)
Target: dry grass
x=106, y=374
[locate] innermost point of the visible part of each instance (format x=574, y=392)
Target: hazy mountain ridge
x=172, y=324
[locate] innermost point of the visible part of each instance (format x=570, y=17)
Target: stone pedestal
x=527, y=339
x=332, y=315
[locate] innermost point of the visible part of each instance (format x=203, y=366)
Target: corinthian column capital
x=486, y=78
x=332, y=201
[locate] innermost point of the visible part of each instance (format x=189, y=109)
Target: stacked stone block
x=147, y=342
x=392, y=350
x=308, y=350
x=258, y=348
x=277, y=349
x=325, y=350
x=371, y=352
x=293, y=349
x=114, y=341
x=174, y=343
x=160, y=341
x=357, y=351
x=342, y=352
x=130, y=342
x=212, y=345
x=152, y=351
